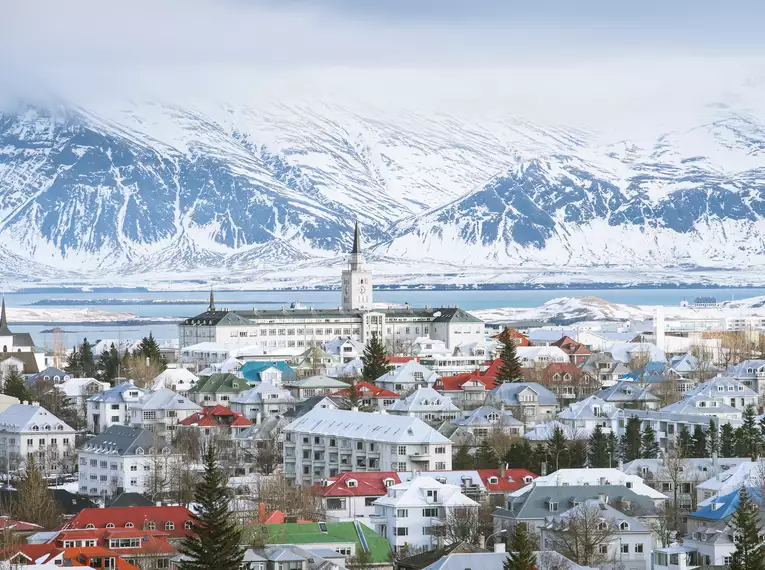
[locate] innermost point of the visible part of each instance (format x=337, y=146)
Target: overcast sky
x=176, y=47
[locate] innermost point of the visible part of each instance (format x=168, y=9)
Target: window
x=90, y=525
x=441, y=449
x=432, y=512
x=116, y=419
x=440, y=465
x=402, y=450
x=624, y=525
x=150, y=525
x=727, y=560
x=134, y=467
x=603, y=549
x=493, y=480
x=369, y=501
x=553, y=507
x=109, y=525
x=169, y=525
x=401, y=531
x=402, y=513
x=625, y=548
x=150, y=415
x=335, y=504
x=188, y=525
x=639, y=548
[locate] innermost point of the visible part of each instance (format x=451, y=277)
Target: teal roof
x=251, y=370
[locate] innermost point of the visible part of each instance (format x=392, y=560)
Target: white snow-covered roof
x=348, y=370
x=424, y=400
x=164, y=399
x=74, y=387
x=722, y=387
x=537, y=353
x=597, y=476
x=20, y=418
x=543, y=432
x=591, y=408
x=627, y=351
x=406, y=374
x=414, y=494
x=334, y=346
x=746, y=473
x=256, y=395
x=384, y=428
x=175, y=378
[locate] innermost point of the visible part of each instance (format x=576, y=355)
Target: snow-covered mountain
x=156, y=189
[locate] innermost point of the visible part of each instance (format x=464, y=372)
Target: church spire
x=356, y=240
x=4, y=330
x=212, y=300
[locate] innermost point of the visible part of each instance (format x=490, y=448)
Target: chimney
x=502, y=467
x=261, y=513
x=621, y=465
x=499, y=546
x=603, y=497
x=354, y=408
x=158, y=504
x=715, y=462
x=543, y=469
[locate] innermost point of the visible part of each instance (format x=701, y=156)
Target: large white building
x=31, y=430
x=410, y=514
x=268, y=331
x=324, y=443
x=125, y=459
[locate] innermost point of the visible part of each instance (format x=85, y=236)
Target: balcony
x=379, y=519
x=420, y=456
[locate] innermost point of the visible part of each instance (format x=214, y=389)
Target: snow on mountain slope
x=180, y=191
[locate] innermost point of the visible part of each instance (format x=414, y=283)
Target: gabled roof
x=723, y=507
x=689, y=405
x=121, y=441
x=137, y=516
x=220, y=383
x=509, y=481
x=509, y=392
x=172, y=377
x=722, y=386
x=74, y=387
x=454, y=315
x=251, y=371
x=405, y=374
x=255, y=395
x=424, y=400
x=218, y=416
x=27, y=359
x=412, y=493
x=590, y=408
x=480, y=418
x=372, y=427
x=116, y=394
x=164, y=399
x=742, y=370
x=601, y=476
x=627, y=391
x=457, y=382
x=317, y=381
x=367, y=390
x=22, y=417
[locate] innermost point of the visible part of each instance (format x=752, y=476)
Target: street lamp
x=503, y=531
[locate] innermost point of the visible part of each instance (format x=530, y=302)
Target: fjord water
x=176, y=305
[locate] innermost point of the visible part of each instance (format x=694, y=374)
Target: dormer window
x=150, y=525
x=528, y=479
x=388, y=482
x=493, y=480
x=129, y=525
x=493, y=417
x=139, y=451
x=352, y=483
x=169, y=525
x=35, y=428
x=90, y=525
x=109, y=525
x=188, y=525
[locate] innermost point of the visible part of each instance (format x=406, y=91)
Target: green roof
x=309, y=533
x=220, y=383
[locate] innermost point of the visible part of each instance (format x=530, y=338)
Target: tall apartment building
x=324, y=443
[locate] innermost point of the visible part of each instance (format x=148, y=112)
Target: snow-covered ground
x=71, y=315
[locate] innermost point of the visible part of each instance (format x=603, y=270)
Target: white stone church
x=357, y=318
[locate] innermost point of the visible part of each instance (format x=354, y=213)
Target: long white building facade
x=357, y=319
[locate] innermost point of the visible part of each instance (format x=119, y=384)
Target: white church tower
x=357, y=281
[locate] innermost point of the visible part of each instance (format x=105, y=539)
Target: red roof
x=520, y=338
x=82, y=557
x=511, y=481
x=367, y=390
x=33, y=552
x=545, y=375
x=570, y=346
x=487, y=377
x=401, y=359
x=137, y=516
x=367, y=484
x=218, y=416
x=7, y=522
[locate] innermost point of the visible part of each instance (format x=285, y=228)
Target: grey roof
x=27, y=359
x=509, y=391
x=283, y=555
x=688, y=406
x=50, y=371
x=742, y=370
x=255, y=395
x=454, y=315
x=114, y=395
x=730, y=387
x=131, y=500
x=607, y=512
x=303, y=408
x=251, y=556
x=362, y=425
x=479, y=418
x=264, y=430
x=17, y=417
x=586, y=410
x=617, y=367
x=627, y=391
x=534, y=504
x=496, y=561
x=121, y=441
x=318, y=381
x=673, y=417
x=164, y=399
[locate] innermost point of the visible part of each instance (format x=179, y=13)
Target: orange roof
x=521, y=339
x=7, y=522
x=34, y=552
x=82, y=556
x=401, y=359
x=367, y=484
x=367, y=390
x=137, y=516
x=454, y=383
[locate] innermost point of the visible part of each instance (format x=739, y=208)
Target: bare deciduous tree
x=580, y=533
x=277, y=493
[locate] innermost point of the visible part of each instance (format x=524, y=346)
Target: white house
x=630, y=544
x=27, y=430
x=409, y=514
x=533, y=402
x=125, y=459
x=324, y=443
x=161, y=411
x=262, y=402
x=590, y=413
x=407, y=378
x=305, y=388
x=426, y=404
x=179, y=380
x=78, y=390
x=481, y=422
x=110, y=407
x=425, y=346
x=352, y=495
x=531, y=356
x=726, y=391
x=344, y=349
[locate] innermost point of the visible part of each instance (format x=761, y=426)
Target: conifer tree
x=631, y=441
x=727, y=441
x=87, y=361
x=577, y=454
x=510, y=367
x=556, y=447
x=699, y=442
x=597, y=448
x=462, y=459
x=217, y=540
x=521, y=555
x=749, y=553
x=109, y=364
x=485, y=458
x=14, y=385
x=750, y=433
x=649, y=447
x=713, y=439
x=684, y=442
x=375, y=359
x=74, y=363
x=613, y=448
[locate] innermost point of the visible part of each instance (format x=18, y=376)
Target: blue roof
x=725, y=505
x=651, y=372
x=251, y=370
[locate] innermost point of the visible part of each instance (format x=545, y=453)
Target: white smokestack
x=659, y=327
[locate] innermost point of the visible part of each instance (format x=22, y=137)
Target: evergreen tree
x=520, y=456
x=684, y=442
x=649, y=447
x=110, y=364
x=556, y=447
x=462, y=459
x=713, y=439
x=14, y=385
x=631, y=441
x=485, y=458
x=87, y=360
x=375, y=359
x=217, y=540
x=521, y=555
x=577, y=454
x=613, y=448
x=597, y=448
x=740, y=438
x=510, y=367
x=749, y=553
x=727, y=441
x=751, y=434
x=699, y=444
x=74, y=363
x=354, y=398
